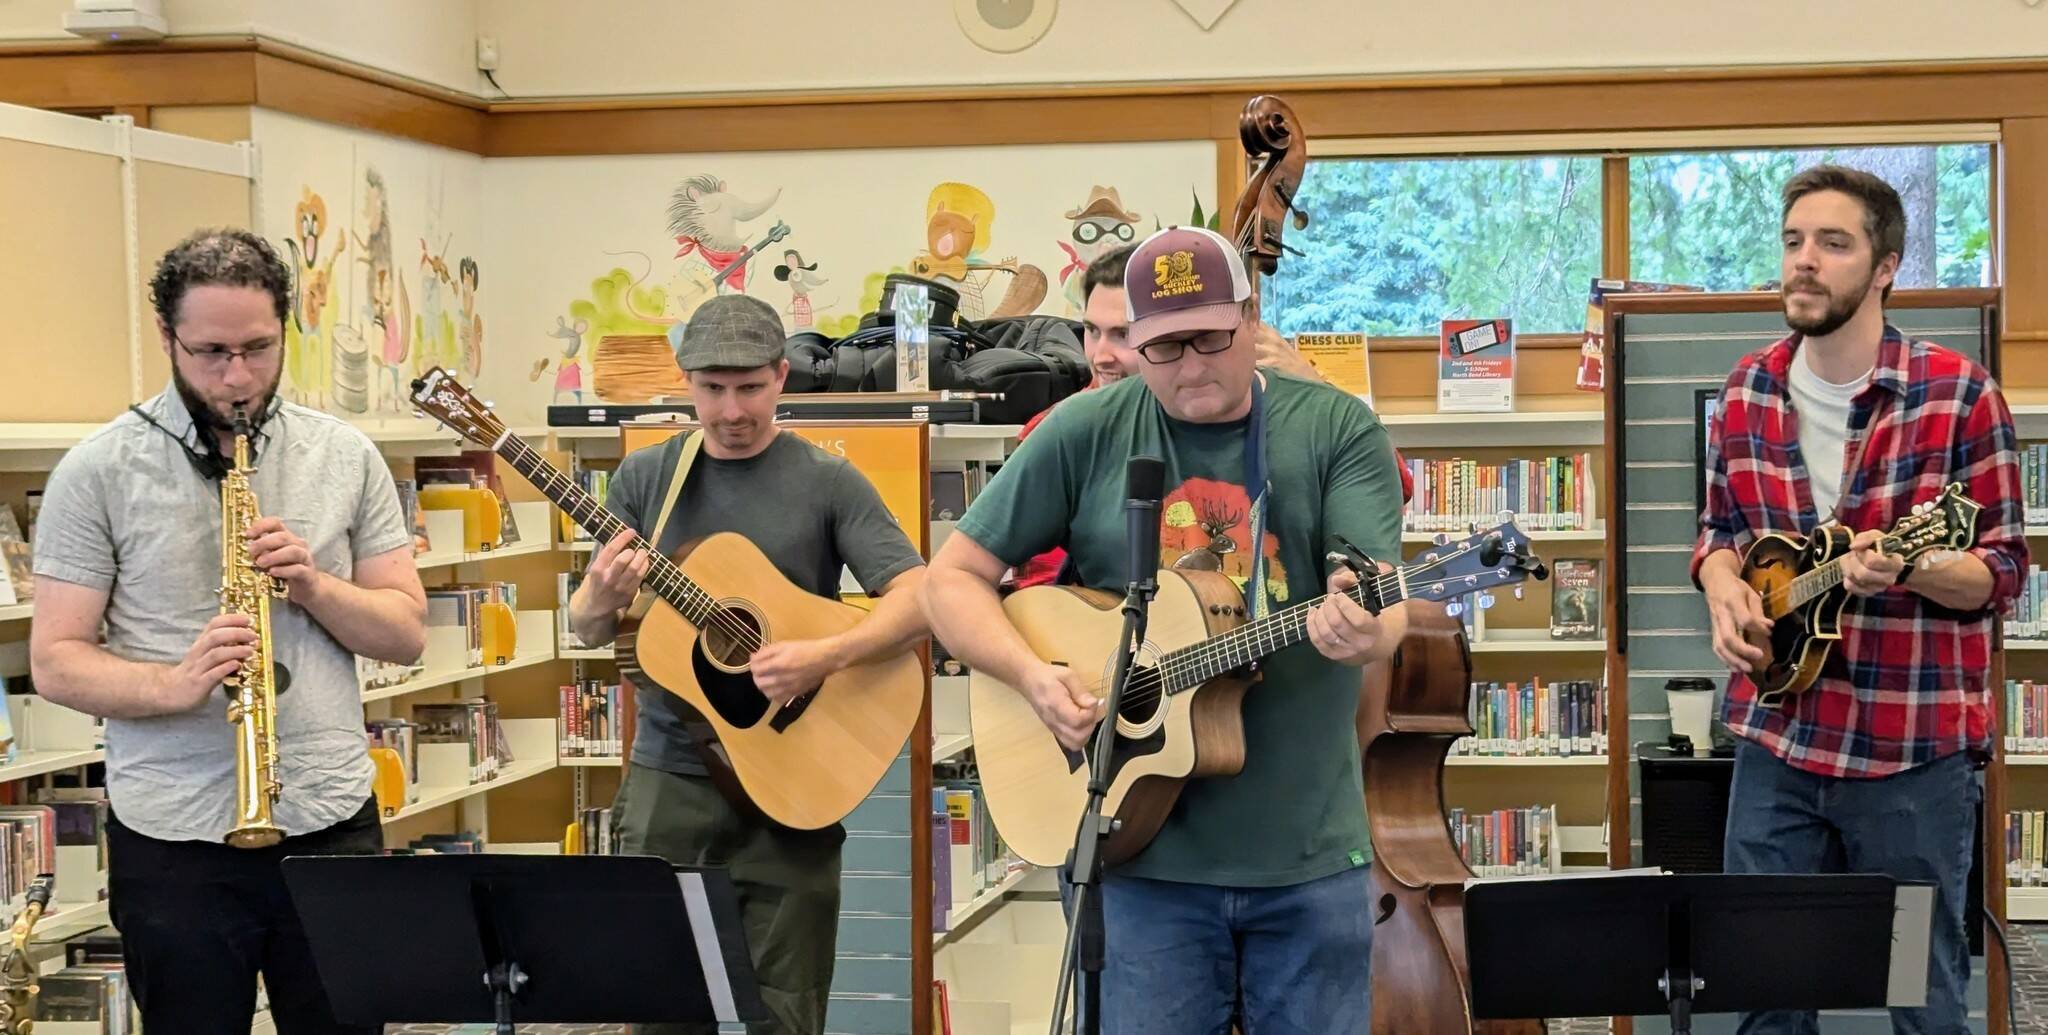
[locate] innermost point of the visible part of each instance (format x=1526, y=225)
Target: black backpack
x=1032, y=361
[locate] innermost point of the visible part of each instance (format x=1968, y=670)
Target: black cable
x=494, y=82
x=2012, y=993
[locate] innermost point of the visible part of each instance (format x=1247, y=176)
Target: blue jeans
x=1917, y=825
x=1194, y=959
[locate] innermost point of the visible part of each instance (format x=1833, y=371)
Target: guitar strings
x=662, y=569
x=1175, y=667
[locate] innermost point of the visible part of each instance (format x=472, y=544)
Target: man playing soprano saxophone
x=130, y=533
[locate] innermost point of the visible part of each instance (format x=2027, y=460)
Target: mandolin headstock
x=1946, y=522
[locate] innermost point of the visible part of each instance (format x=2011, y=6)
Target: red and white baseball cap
x=1184, y=279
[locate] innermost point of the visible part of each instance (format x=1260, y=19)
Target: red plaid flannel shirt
x=1909, y=681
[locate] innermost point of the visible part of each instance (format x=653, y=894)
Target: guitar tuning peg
x=1442, y=539
x=1485, y=600
x=1518, y=591
x=1503, y=517
x=1454, y=608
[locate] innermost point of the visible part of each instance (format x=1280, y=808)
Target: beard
x=1839, y=311
x=210, y=420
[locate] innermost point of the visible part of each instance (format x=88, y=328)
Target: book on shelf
x=2028, y=619
x=2026, y=717
x=89, y=993
x=1507, y=842
x=1575, y=599
x=1536, y=718
x=597, y=481
x=566, y=583
x=2023, y=848
x=18, y=585
x=473, y=722
x=414, y=515
x=591, y=833
x=977, y=857
x=1552, y=493
x=588, y=720
x=2034, y=482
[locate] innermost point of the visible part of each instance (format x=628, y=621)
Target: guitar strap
x=684, y=462
x=1258, y=487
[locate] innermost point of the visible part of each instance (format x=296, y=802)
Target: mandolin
x=804, y=765
x=1800, y=581
x=1180, y=716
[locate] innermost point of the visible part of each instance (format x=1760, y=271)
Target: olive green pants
x=788, y=884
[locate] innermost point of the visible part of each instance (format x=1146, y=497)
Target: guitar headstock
x=1498, y=556
x=775, y=233
x=1946, y=522
x=440, y=396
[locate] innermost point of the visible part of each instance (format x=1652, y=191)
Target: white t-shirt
x=1823, y=409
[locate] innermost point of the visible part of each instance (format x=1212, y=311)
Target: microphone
x=1144, y=481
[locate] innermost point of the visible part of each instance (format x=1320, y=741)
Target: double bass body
x=1412, y=708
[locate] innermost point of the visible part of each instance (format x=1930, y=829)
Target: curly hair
x=1884, y=215
x=224, y=257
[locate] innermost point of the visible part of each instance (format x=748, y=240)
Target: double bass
x=1411, y=708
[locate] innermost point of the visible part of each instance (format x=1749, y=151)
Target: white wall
x=430, y=40
x=666, y=46
x=433, y=41
x=44, y=19
x=431, y=194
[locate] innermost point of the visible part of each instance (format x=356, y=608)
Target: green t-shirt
x=1296, y=812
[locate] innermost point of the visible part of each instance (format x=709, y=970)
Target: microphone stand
x=1084, y=861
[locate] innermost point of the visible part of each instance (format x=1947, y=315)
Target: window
x=1394, y=246
x=1711, y=218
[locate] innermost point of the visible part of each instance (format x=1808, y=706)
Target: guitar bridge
x=790, y=712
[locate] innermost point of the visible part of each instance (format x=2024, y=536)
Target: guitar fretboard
x=667, y=580
x=1197, y=663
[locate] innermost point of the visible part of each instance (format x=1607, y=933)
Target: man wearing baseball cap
x=812, y=513
x=1254, y=891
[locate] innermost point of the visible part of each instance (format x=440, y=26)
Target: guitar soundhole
x=1143, y=698
x=731, y=637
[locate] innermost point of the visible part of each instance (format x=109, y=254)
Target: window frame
x=1616, y=149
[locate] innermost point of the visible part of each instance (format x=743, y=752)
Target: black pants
x=200, y=920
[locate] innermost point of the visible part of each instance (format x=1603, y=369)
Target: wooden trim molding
x=254, y=71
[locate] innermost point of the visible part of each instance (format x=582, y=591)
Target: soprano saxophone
x=252, y=690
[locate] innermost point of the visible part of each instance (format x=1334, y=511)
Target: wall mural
x=616, y=343
x=385, y=277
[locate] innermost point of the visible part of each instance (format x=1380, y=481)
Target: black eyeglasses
x=217, y=357
x=1208, y=343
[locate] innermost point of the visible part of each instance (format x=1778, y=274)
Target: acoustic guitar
x=1180, y=716
x=718, y=600
x=1800, y=581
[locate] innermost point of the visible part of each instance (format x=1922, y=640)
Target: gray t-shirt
x=125, y=512
x=811, y=512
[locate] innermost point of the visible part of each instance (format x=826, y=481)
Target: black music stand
x=477, y=938
x=1634, y=943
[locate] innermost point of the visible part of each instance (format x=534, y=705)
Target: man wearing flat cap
x=1251, y=902
x=812, y=513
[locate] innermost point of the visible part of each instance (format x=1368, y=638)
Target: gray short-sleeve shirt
x=126, y=512
x=812, y=513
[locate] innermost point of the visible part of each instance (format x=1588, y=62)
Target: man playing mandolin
x=1874, y=767
x=1254, y=890
x=812, y=514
